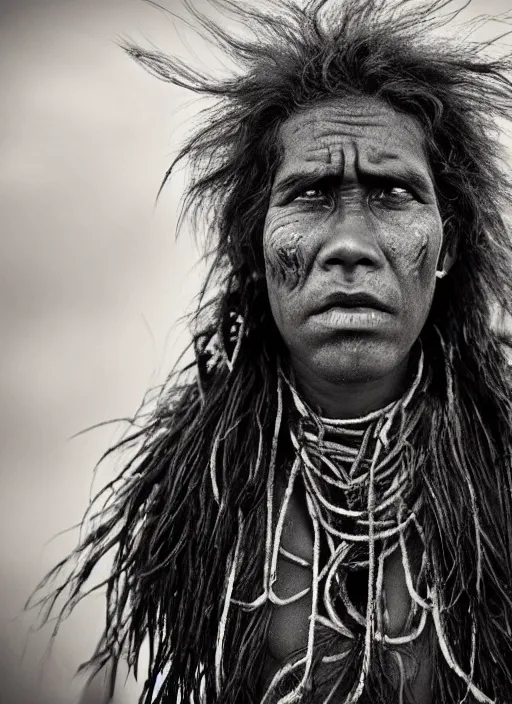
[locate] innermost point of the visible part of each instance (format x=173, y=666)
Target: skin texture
x=288, y=629
x=353, y=209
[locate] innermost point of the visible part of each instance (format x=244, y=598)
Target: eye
x=392, y=196
x=311, y=195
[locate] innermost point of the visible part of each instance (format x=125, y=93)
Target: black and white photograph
x=256, y=419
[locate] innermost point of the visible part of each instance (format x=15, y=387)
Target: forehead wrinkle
x=318, y=162
x=333, y=146
x=369, y=113
x=364, y=157
x=374, y=156
x=329, y=151
x=331, y=154
x=322, y=120
x=324, y=139
x=319, y=154
x=412, y=139
x=346, y=130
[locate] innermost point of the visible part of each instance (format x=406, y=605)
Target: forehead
x=361, y=130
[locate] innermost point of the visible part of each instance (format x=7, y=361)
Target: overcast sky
x=91, y=280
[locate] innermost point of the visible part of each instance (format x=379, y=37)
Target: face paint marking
x=422, y=252
x=420, y=244
x=285, y=258
x=291, y=264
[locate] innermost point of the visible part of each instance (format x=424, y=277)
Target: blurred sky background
x=92, y=281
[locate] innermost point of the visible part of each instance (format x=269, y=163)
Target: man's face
x=352, y=239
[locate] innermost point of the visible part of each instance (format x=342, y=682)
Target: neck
x=351, y=399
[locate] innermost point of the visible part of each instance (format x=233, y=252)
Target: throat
x=344, y=399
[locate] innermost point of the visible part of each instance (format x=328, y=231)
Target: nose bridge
x=351, y=237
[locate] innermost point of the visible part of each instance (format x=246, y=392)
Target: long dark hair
x=170, y=526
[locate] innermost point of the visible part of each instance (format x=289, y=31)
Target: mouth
x=354, y=302
x=354, y=312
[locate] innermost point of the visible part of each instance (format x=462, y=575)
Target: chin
x=357, y=363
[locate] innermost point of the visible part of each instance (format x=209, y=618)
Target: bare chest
x=289, y=623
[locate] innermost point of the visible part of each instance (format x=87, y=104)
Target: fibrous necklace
x=363, y=504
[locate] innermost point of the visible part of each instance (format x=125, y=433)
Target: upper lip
x=353, y=299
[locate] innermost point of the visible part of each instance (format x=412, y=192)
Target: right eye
x=311, y=195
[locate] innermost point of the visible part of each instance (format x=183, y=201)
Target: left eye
x=393, y=196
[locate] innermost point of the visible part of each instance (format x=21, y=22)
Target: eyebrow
x=404, y=174
x=304, y=178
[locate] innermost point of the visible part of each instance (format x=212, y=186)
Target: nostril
x=349, y=262
x=350, y=247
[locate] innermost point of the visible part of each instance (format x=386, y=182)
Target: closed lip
x=355, y=299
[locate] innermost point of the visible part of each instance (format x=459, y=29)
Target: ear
x=447, y=259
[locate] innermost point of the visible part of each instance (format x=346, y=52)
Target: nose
x=350, y=243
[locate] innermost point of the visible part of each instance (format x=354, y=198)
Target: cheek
x=415, y=252
x=415, y=256
x=285, y=250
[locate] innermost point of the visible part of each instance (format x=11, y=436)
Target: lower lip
x=352, y=318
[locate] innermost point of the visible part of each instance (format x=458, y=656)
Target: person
x=319, y=506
